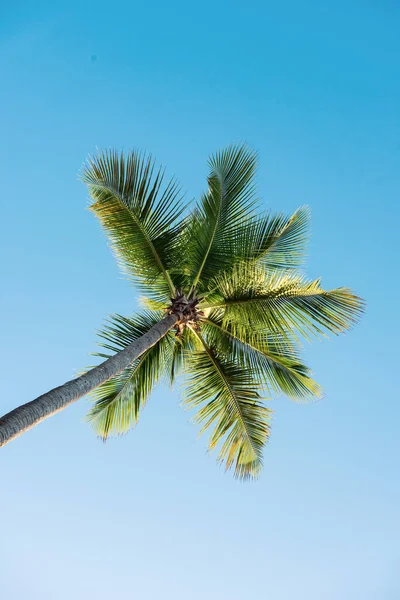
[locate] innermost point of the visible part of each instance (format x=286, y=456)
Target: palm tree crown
x=231, y=274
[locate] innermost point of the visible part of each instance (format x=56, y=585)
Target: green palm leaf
x=284, y=303
x=182, y=348
x=214, y=229
x=230, y=402
x=119, y=400
x=274, y=360
x=278, y=241
x=139, y=214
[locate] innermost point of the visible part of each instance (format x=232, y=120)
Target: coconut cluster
x=186, y=308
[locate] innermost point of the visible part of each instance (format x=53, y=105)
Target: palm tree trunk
x=28, y=415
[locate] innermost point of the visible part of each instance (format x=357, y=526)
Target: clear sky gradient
x=314, y=87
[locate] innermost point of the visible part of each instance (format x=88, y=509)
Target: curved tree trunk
x=28, y=415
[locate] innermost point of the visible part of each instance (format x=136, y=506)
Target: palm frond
x=214, y=229
x=152, y=303
x=283, y=303
x=138, y=212
x=274, y=360
x=119, y=400
x=230, y=401
x=277, y=241
x=182, y=348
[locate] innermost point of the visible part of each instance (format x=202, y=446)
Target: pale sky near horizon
x=314, y=87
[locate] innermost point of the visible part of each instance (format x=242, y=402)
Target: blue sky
x=314, y=87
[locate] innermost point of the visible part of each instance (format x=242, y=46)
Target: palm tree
x=224, y=304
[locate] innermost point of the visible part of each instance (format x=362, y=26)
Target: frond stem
x=196, y=279
x=226, y=382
